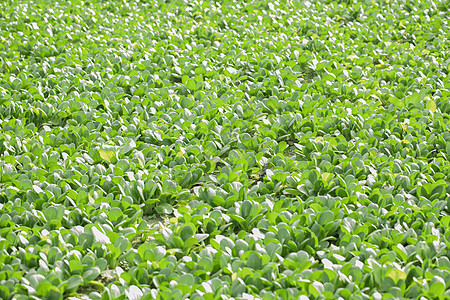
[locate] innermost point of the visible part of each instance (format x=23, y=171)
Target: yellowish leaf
x=106, y=155
x=141, y=163
x=91, y=200
x=172, y=251
x=396, y=274
x=431, y=105
x=180, y=153
x=326, y=176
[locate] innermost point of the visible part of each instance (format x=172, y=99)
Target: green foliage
x=215, y=149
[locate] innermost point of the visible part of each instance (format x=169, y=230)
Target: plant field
x=224, y=149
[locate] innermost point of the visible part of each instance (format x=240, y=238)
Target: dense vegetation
x=201, y=149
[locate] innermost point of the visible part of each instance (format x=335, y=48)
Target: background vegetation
x=229, y=149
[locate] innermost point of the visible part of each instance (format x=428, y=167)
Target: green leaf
x=75, y=266
x=254, y=261
x=188, y=82
x=316, y=288
x=115, y=214
x=326, y=217
x=45, y=288
x=169, y=187
x=51, y=213
x=246, y=208
x=397, y=102
x=437, y=286
x=191, y=84
x=121, y=243
x=91, y=274
x=200, y=70
x=129, y=145
x=186, y=279
x=400, y=251
x=210, y=166
x=4, y=292
x=312, y=177
x=164, y=209
x=186, y=232
x=74, y=282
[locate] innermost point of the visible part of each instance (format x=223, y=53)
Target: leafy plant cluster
x=157, y=149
